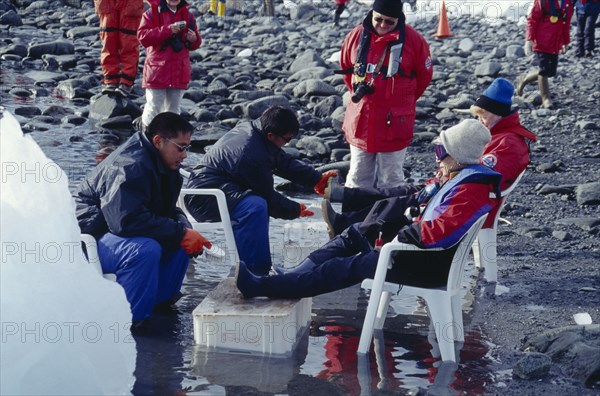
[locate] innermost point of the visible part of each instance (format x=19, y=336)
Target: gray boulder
x=57, y=47
x=11, y=18
x=314, y=87
x=588, y=194
x=533, y=365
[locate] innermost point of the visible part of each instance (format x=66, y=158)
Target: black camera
x=175, y=43
x=361, y=89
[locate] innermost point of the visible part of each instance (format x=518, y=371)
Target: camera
x=361, y=89
x=174, y=42
x=179, y=24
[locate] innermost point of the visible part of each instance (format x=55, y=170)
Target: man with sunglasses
x=128, y=203
x=242, y=164
x=386, y=66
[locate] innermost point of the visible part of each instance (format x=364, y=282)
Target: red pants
x=120, y=47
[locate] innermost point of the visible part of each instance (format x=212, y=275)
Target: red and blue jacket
x=454, y=209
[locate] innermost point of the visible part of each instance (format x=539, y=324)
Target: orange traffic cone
x=443, y=30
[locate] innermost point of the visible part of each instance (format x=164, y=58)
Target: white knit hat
x=465, y=141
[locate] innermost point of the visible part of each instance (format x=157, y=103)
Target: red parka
x=165, y=68
x=384, y=120
x=549, y=37
x=507, y=153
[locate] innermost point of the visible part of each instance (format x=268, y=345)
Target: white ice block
x=302, y=238
x=226, y=322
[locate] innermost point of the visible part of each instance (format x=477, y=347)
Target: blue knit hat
x=497, y=98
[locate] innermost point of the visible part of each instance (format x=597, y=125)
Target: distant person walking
x=340, y=6
x=587, y=14
x=547, y=34
x=168, y=32
x=387, y=67
x=119, y=21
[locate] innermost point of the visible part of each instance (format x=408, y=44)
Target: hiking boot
x=544, y=88
x=589, y=54
x=124, y=90
x=523, y=80
x=328, y=217
x=109, y=89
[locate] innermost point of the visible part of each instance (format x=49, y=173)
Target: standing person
x=547, y=35
x=128, y=203
x=587, y=14
x=242, y=164
x=387, y=67
x=168, y=32
x=119, y=21
x=350, y=258
x=507, y=153
x=340, y=6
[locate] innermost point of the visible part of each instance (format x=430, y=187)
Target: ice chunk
x=65, y=329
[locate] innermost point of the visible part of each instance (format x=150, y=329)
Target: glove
x=563, y=49
x=304, y=212
x=426, y=193
x=193, y=242
x=320, y=186
x=528, y=47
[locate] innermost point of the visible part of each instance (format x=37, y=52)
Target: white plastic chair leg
x=384, y=303
x=476, y=253
x=440, y=312
x=488, y=253
x=458, y=326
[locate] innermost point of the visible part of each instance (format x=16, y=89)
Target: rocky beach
x=548, y=247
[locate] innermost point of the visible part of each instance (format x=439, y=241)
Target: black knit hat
x=390, y=8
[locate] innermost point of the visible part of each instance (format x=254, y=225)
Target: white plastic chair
x=484, y=247
x=224, y=224
x=444, y=304
x=91, y=248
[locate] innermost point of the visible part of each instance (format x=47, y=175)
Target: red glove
x=193, y=242
x=304, y=212
x=320, y=186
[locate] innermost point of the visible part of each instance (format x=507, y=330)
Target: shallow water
x=325, y=361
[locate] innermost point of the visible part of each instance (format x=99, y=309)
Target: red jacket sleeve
x=424, y=70
x=349, y=48
x=533, y=20
x=149, y=35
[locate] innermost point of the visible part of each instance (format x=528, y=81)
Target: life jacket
x=554, y=12
x=394, y=61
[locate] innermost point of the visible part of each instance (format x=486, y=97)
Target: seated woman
x=349, y=258
x=506, y=153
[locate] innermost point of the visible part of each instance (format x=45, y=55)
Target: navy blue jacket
x=243, y=162
x=132, y=194
x=591, y=7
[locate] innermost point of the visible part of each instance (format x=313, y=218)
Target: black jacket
x=132, y=194
x=243, y=162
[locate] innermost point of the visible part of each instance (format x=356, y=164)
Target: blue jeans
x=250, y=223
x=586, y=30
x=149, y=274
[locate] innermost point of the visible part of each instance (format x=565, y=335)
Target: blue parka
x=243, y=162
x=132, y=194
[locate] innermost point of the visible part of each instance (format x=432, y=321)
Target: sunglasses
x=388, y=22
x=185, y=147
x=440, y=152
